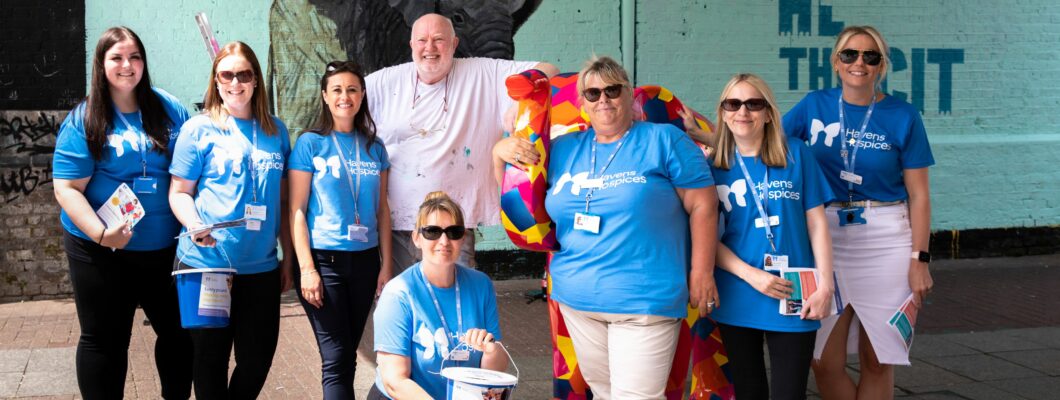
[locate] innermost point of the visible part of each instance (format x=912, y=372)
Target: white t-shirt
x=433, y=149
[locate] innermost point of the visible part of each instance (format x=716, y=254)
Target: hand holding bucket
x=465, y=383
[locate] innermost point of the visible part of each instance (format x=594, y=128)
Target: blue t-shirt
x=407, y=323
x=218, y=161
x=792, y=190
x=638, y=262
x=895, y=141
x=330, y=210
x=122, y=163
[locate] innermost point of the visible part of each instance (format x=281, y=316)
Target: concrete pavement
x=991, y=330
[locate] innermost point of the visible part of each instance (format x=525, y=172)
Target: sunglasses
x=244, y=76
x=346, y=65
x=612, y=92
x=871, y=57
x=733, y=105
x=433, y=232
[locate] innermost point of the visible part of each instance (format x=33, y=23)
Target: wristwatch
x=922, y=256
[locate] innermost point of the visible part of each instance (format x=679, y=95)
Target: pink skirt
x=871, y=263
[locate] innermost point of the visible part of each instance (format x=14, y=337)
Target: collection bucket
x=465, y=383
x=205, y=297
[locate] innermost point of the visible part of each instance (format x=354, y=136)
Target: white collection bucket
x=464, y=383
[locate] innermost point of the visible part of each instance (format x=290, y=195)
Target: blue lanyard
x=848, y=162
x=759, y=200
x=592, y=168
x=250, y=156
x=349, y=172
x=438, y=307
x=142, y=146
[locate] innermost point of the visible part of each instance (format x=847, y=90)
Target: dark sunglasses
x=612, y=92
x=244, y=76
x=871, y=57
x=433, y=232
x=346, y=65
x=733, y=105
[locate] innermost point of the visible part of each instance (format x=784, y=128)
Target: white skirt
x=871, y=263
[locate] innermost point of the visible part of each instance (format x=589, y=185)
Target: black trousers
x=349, y=279
x=253, y=330
x=108, y=285
x=789, y=359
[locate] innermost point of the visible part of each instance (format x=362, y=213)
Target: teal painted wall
x=997, y=146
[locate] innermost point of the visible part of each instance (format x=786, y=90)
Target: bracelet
x=100, y=241
x=309, y=272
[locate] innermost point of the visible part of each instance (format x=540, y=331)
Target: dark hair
x=362, y=121
x=99, y=107
x=213, y=105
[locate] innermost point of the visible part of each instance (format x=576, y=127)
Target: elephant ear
x=521, y=11
x=412, y=10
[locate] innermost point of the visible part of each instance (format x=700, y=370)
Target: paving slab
x=1041, y=388
x=1046, y=361
x=1048, y=336
x=57, y=361
x=971, y=391
x=14, y=360
x=9, y=382
x=938, y=346
x=990, y=342
x=925, y=374
x=48, y=384
x=983, y=367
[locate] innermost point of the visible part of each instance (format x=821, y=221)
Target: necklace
x=416, y=87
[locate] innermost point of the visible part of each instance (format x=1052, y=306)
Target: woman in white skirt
x=874, y=152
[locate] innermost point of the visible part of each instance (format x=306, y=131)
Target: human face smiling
x=124, y=66
x=746, y=125
x=236, y=94
x=858, y=75
x=442, y=251
x=343, y=95
x=608, y=116
x=433, y=45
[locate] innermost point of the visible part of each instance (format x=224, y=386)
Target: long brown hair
x=99, y=105
x=362, y=121
x=213, y=105
x=774, y=151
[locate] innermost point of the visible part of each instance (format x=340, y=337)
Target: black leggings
x=789, y=359
x=253, y=330
x=349, y=279
x=108, y=285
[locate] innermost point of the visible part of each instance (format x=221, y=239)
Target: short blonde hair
x=851, y=31
x=774, y=151
x=606, y=68
x=439, y=201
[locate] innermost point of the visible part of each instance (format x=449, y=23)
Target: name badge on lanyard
x=254, y=213
x=850, y=177
x=587, y=222
x=145, y=185
x=774, y=220
x=358, y=233
x=774, y=262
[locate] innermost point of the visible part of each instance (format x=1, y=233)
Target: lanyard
x=142, y=147
x=592, y=168
x=356, y=190
x=848, y=162
x=759, y=200
x=250, y=157
x=437, y=307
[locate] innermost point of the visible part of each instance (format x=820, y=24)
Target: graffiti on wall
x=795, y=18
x=27, y=140
x=42, y=69
x=308, y=33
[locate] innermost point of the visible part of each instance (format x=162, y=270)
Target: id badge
x=587, y=222
x=850, y=177
x=253, y=225
x=775, y=262
x=851, y=216
x=146, y=185
x=358, y=233
x=593, y=183
x=774, y=220
x=255, y=211
x=460, y=355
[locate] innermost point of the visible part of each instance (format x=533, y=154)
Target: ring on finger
x=517, y=156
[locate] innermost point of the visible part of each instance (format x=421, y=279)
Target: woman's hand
x=702, y=292
x=819, y=305
x=769, y=284
x=920, y=281
x=481, y=340
x=385, y=273
x=312, y=287
x=118, y=236
x=202, y=239
x=516, y=151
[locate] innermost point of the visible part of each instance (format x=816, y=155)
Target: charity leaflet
x=903, y=321
x=121, y=206
x=803, y=284
x=214, y=227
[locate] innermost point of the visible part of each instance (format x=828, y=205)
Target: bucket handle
x=467, y=346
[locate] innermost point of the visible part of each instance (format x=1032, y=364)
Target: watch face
x=924, y=256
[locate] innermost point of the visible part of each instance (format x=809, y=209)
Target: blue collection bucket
x=205, y=297
x=465, y=383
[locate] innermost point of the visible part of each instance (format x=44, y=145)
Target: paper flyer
x=214, y=227
x=804, y=284
x=904, y=320
x=121, y=206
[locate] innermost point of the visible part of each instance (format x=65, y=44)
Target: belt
x=867, y=203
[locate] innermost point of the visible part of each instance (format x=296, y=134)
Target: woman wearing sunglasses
x=340, y=222
x=632, y=202
x=772, y=197
x=229, y=165
x=874, y=152
x=425, y=314
x=123, y=133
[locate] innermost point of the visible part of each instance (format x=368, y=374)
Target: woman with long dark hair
x=229, y=164
x=340, y=222
x=123, y=133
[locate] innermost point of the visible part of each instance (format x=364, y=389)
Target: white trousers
x=623, y=356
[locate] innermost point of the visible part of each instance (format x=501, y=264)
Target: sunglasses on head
x=244, y=76
x=870, y=57
x=433, y=232
x=334, y=65
x=612, y=92
x=733, y=105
